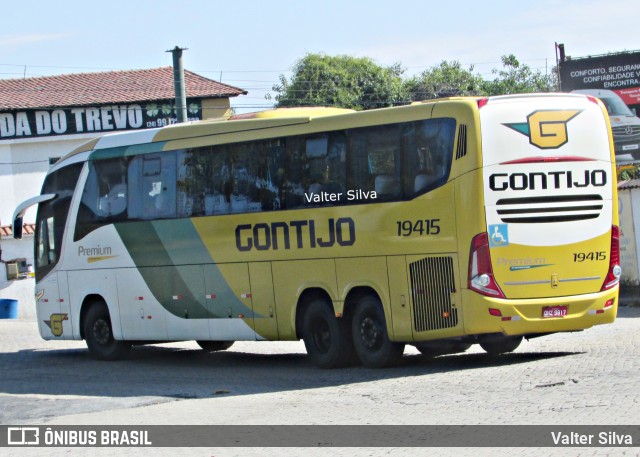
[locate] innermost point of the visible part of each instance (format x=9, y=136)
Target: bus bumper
x=531, y=316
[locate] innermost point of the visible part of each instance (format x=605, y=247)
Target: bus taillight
x=614, y=273
x=482, y=102
x=480, y=277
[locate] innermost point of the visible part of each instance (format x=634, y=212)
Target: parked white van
x=625, y=125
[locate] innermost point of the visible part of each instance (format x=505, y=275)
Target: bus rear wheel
x=214, y=346
x=325, y=337
x=370, y=338
x=98, y=334
x=437, y=348
x=500, y=344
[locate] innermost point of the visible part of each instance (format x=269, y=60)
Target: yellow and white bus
x=440, y=225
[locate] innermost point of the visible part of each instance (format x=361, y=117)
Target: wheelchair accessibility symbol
x=498, y=235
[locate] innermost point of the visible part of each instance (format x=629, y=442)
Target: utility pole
x=178, y=84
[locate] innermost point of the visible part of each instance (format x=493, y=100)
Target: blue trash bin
x=8, y=309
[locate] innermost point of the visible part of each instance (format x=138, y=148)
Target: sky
x=248, y=44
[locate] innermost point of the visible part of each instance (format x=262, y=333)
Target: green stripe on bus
x=125, y=151
x=171, y=257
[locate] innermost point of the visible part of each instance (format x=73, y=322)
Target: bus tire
x=98, y=334
x=438, y=348
x=370, y=338
x=325, y=337
x=500, y=344
x=214, y=346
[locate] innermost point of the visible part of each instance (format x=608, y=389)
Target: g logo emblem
x=55, y=323
x=546, y=129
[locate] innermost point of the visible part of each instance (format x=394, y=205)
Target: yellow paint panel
x=291, y=279
x=547, y=271
x=400, y=298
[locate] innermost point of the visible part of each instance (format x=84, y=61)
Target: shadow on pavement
x=179, y=373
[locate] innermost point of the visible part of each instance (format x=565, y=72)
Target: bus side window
x=315, y=181
x=337, y=162
x=152, y=186
x=375, y=161
x=293, y=187
x=428, y=155
x=325, y=165
x=268, y=171
x=244, y=178
x=104, y=197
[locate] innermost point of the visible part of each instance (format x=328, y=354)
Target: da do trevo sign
x=29, y=123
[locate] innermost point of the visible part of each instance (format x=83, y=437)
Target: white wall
x=23, y=165
x=628, y=245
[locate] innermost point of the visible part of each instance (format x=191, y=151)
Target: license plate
x=554, y=311
x=630, y=147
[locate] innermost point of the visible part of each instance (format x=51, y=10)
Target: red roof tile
x=27, y=229
x=82, y=89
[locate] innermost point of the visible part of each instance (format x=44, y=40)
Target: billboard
x=617, y=72
x=614, y=79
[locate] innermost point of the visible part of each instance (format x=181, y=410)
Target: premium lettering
x=93, y=251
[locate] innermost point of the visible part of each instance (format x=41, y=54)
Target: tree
x=341, y=81
x=359, y=83
x=516, y=78
x=444, y=80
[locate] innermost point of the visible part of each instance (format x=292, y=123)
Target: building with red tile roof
x=43, y=118
x=104, y=88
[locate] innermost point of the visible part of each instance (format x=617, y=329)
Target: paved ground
x=582, y=378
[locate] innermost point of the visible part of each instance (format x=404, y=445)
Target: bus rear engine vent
x=432, y=284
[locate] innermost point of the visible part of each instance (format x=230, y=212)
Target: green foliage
x=630, y=173
x=445, y=80
x=516, y=78
x=359, y=83
x=340, y=81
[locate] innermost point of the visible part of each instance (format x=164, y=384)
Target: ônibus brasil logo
x=546, y=129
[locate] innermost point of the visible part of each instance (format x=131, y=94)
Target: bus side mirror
x=22, y=208
x=17, y=228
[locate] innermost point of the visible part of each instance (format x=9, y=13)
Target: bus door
x=52, y=304
x=52, y=290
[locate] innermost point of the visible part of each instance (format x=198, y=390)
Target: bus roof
x=303, y=111
x=141, y=141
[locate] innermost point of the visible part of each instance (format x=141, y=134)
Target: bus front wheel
x=325, y=337
x=98, y=334
x=370, y=338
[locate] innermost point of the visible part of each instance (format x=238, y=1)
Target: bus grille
x=432, y=284
x=540, y=210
